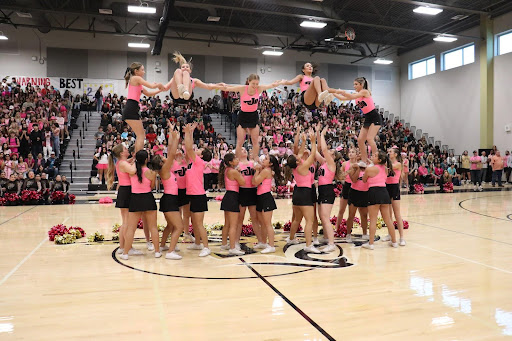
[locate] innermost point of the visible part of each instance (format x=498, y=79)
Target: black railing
x=74, y=157
x=71, y=170
x=78, y=149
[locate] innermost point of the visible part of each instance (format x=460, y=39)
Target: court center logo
x=287, y=260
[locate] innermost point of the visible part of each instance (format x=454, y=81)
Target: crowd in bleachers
x=35, y=126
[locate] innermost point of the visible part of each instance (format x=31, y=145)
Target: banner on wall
x=76, y=86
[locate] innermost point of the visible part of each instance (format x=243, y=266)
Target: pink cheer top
x=378, y=180
x=360, y=185
x=179, y=170
x=247, y=170
x=312, y=173
x=347, y=167
x=170, y=185
x=305, y=83
x=194, y=176
x=325, y=176
x=122, y=177
x=265, y=186
x=365, y=104
x=137, y=187
x=134, y=92
x=231, y=185
x=395, y=178
x=302, y=180
x=249, y=103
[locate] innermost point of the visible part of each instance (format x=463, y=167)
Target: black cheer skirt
x=123, y=196
x=142, y=202
x=169, y=203
x=230, y=202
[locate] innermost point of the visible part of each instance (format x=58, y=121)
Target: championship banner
x=90, y=88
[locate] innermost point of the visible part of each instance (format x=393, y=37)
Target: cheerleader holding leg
x=372, y=118
x=358, y=200
x=352, y=155
x=131, y=114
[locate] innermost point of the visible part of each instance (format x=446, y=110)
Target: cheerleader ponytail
x=116, y=152
x=140, y=160
x=274, y=165
x=130, y=71
x=179, y=59
x=228, y=158
x=385, y=160
x=363, y=82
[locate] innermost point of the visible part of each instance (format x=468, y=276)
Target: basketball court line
x=17, y=215
x=6, y=277
x=287, y=300
x=485, y=215
x=459, y=257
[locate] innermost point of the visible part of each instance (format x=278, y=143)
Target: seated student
x=452, y=171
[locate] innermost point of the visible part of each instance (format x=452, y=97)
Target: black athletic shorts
x=131, y=110
x=248, y=196
x=358, y=198
x=169, y=203
x=248, y=119
x=182, y=197
x=345, y=190
x=230, y=202
x=123, y=196
x=326, y=194
x=198, y=203
x=372, y=117
x=266, y=203
x=181, y=101
x=378, y=196
x=142, y=202
x=303, y=196
x=308, y=106
x=393, y=191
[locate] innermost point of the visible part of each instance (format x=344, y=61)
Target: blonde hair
x=252, y=77
x=179, y=59
x=363, y=82
x=116, y=152
x=130, y=71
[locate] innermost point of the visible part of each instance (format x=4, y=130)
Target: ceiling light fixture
x=427, y=10
x=24, y=14
x=143, y=8
x=139, y=45
x=106, y=11
x=445, y=39
x=214, y=19
x=383, y=61
x=2, y=36
x=313, y=24
x=273, y=53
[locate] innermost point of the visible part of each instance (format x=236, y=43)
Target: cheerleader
x=372, y=118
x=231, y=179
x=303, y=198
x=265, y=203
x=179, y=168
x=134, y=81
x=169, y=203
x=195, y=190
x=352, y=160
x=310, y=95
x=378, y=197
x=326, y=173
x=124, y=170
x=248, y=198
x=393, y=187
x=248, y=117
x=358, y=201
x=30, y=183
x=142, y=203
x=182, y=85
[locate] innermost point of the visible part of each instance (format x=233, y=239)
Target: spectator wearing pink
x=423, y=172
x=497, y=164
x=158, y=149
x=475, y=168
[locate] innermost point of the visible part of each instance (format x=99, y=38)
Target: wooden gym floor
x=452, y=281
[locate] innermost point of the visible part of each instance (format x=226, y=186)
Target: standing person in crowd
x=476, y=166
x=124, y=170
x=134, y=82
x=378, y=196
x=508, y=166
x=98, y=96
x=195, y=190
x=215, y=172
x=372, y=118
x=102, y=158
x=497, y=164
x=248, y=118
x=36, y=137
x=56, y=139
x=485, y=164
x=464, y=168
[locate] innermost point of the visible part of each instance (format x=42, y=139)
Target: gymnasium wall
x=446, y=105
x=503, y=90
x=105, y=58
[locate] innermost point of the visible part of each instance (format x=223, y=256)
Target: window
x=461, y=56
x=504, y=43
x=422, y=68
